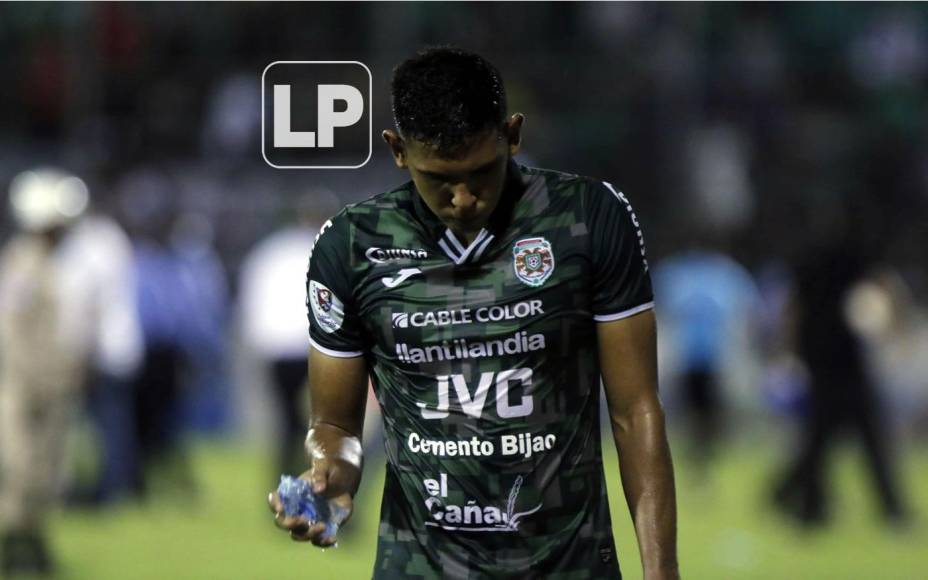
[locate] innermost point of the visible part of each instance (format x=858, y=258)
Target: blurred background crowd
x=775, y=153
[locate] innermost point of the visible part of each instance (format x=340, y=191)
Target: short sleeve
x=621, y=282
x=334, y=327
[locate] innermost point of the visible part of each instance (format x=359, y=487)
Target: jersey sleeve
x=621, y=282
x=334, y=326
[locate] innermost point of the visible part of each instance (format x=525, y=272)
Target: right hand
x=336, y=478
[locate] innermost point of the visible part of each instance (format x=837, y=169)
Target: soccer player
x=486, y=300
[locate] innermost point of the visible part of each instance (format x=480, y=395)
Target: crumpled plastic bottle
x=297, y=498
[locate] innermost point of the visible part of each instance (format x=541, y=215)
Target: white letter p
x=329, y=119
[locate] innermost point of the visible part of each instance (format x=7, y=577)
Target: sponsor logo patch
x=472, y=517
x=462, y=348
x=328, y=310
x=484, y=314
x=401, y=276
x=533, y=261
x=383, y=255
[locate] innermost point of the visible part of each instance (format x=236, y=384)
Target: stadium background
x=751, y=125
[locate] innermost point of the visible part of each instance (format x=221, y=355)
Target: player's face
x=462, y=190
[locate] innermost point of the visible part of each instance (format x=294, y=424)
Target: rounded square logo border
x=370, y=116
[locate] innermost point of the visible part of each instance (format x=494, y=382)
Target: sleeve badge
x=328, y=310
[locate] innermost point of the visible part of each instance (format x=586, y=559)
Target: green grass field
x=726, y=530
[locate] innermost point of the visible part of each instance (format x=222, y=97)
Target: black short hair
x=444, y=96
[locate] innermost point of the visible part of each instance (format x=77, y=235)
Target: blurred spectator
x=206, y=311
x=231, y=129
x=708, y=302
x=842, y=394
x=180, y=300
x=65, y=310
x=721, y=193
x=273, y=317
x=891, y=50
x=882, y=310
x=785, y=379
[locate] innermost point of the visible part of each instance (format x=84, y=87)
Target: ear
x=514, y=132
x=397, y=147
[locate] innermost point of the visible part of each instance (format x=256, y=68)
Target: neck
x=466, y=237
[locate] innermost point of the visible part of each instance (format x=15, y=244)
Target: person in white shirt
x=271, y=306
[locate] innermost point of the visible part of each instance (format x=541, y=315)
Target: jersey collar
x=455, y=250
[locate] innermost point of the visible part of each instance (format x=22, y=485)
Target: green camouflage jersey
x=484, y=361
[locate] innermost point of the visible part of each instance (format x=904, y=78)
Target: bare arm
x=338, y=394
x=628, y=358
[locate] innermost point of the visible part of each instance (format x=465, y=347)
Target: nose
x=462, y=198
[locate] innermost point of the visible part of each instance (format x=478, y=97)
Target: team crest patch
x=327, y=309
x=533, y=260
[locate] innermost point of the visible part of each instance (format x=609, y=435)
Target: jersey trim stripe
x=624, y=313
x=444, y=246
x=335, y=353
x=617, y=194
x=483, y=247
x=454, y=240
x=631, y=212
